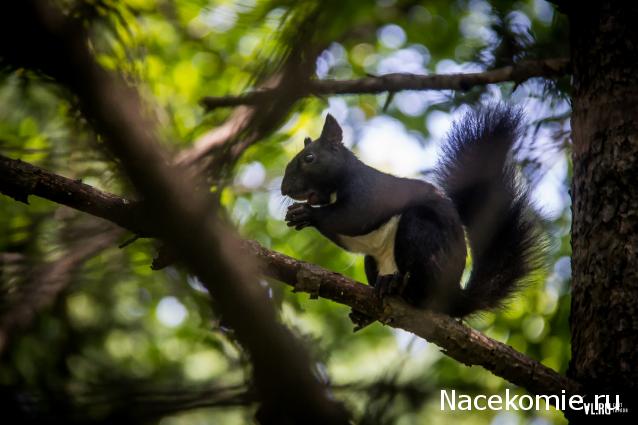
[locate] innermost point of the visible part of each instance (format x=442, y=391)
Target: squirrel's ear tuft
x=331, y=132
x=307, y=141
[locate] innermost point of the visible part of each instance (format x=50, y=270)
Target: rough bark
x=604, y=317
x=460, y=342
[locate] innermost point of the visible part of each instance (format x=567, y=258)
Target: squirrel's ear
x=307, y=141
x=331, y=132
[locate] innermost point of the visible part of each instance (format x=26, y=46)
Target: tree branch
x=460, y=342
x=402, y=81
x=21, y=179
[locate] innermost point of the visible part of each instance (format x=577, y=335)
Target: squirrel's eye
x=309, y=158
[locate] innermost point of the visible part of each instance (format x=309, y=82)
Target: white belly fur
x=378, y=243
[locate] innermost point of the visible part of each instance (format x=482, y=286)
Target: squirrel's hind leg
x=431, y=251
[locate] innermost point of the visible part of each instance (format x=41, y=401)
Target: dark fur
x=481, y=194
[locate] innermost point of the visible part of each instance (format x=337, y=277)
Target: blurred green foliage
x=122, y=329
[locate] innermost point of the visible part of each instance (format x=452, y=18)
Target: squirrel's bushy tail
x=478, y=174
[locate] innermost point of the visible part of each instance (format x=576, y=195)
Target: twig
x=402, y=81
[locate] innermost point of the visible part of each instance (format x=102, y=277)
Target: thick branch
x=464, y=344
x=458, y=341
x=517, y=73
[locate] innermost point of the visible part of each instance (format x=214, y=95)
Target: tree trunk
x=604, y=316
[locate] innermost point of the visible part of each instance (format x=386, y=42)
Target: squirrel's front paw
x=299, y=215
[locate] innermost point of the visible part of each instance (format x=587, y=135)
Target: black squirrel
x=412, y=231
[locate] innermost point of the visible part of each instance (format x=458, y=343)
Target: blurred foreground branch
x=127, y=402
x=248, y=124
x=181, y=216
x=251, y=122
x=517, y=73
x=460, y=342
x=45, y=282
